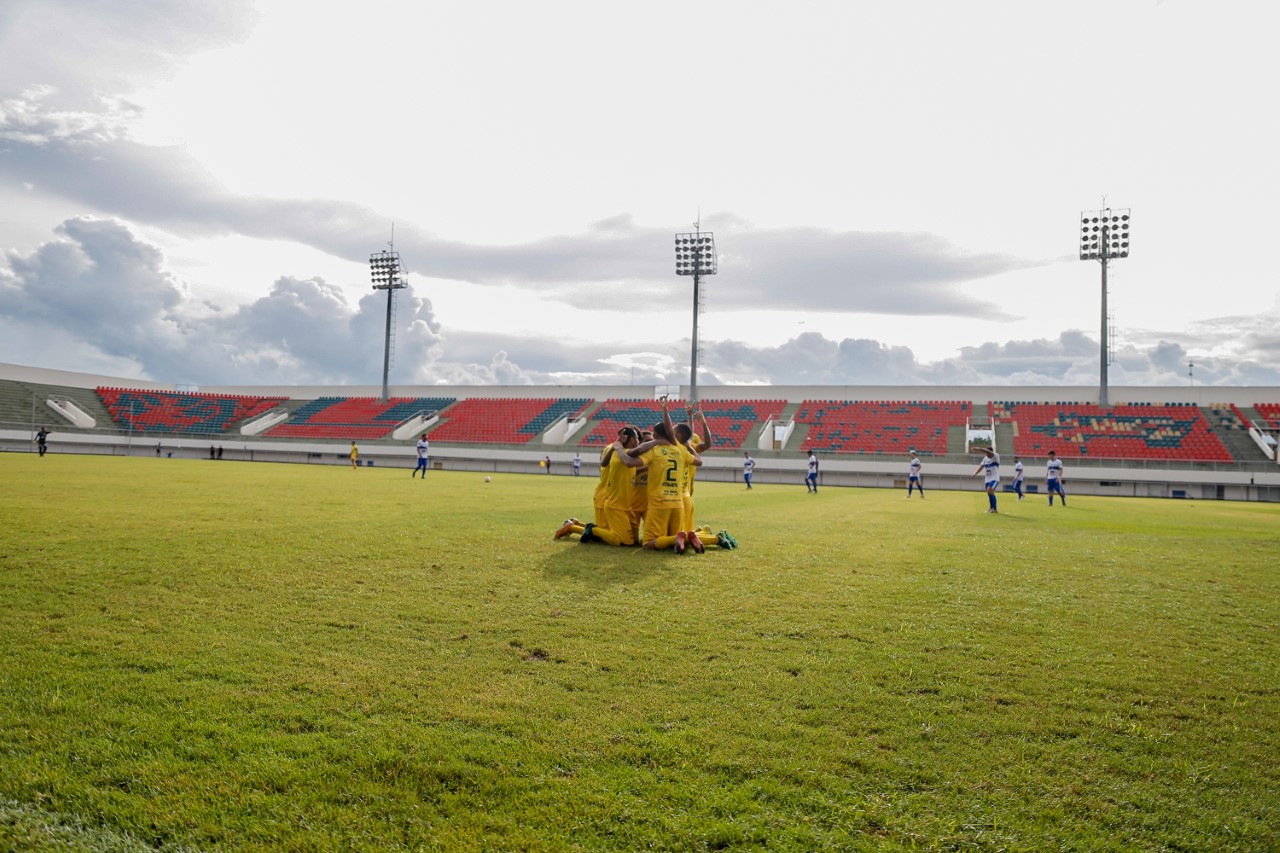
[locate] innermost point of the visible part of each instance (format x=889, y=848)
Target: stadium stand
x=503, y=420
x=349, y=418
x=881, y=426
x=731, y=421
x=1131, y=431
x=1226, y=417
x=1270, y=413
x=181, y=413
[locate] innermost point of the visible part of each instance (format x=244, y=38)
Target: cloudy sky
x=190, y=191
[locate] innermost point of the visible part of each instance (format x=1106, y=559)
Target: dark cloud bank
x=99, y=299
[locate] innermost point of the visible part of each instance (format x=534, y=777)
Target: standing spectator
x=1053, y=478
x=212, y=452
x=42, y=440
x=424, y=448
x=811, y=479
x=913, y=476
x=157, y=450
x=219, y=451
x=546, y=464
x=748, y=466
x=990, y=466
x=577, y=464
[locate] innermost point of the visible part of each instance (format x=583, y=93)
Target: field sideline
x=222, y=655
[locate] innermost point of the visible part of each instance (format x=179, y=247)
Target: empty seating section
x=881, y=426
x=1270, y=414
x=1225, y=416
x=352, y=418
x=503, y=420
x=180, y=412
x=1130, y=431
x=731, y=421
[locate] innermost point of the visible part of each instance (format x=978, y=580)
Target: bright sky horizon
x=189, y=192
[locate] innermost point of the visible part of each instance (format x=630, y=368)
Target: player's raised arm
x=706, y=428
x=695, y=458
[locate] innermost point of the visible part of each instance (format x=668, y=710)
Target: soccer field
x=222, y=655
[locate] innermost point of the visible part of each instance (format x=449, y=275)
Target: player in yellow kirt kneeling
x=667, y=462
x=616, y=522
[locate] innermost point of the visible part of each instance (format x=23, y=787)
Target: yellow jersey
x=668, y=465
x=617, y=489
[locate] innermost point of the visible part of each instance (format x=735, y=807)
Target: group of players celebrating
x=645, y=492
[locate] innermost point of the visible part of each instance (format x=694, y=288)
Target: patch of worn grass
x=231, y=655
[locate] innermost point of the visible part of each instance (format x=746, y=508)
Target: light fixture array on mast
x=1104, y=236
x=695, y=256
x=387, y=274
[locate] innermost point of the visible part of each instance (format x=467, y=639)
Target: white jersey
x=423, y=446
x=813, y=464
x=748, y=465
x=914, y=471
x=1017, y=472
x=1053, y=471
x=991, y=466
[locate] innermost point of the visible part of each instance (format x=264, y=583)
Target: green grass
x=237, y=656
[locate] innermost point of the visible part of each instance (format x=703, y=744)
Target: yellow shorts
x=688, y=514
x=621, y=522
x=662, y=521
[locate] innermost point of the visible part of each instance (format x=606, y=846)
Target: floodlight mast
x=695, y=256
x=388, y=275
x=1104, y=234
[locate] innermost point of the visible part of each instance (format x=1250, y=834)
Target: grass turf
x=229, y=655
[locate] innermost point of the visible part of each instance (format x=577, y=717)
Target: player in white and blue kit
x=423, y=449
x=990, y=467
x=1053, y=478
x=811, y=479
x=748, y=467
x=914, y=480
x=1017, y=476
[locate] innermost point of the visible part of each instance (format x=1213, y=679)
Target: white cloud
x=109, y=299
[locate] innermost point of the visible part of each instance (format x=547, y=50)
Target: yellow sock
x=664, y=542
x=606, y=535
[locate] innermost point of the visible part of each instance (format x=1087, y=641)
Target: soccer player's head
x=659, y=431
x=629, y=436
x=1052, y=454
x=684, y=432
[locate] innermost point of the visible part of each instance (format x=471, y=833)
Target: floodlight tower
x=388, y=275
x=1104, y=235
x=695, y=256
